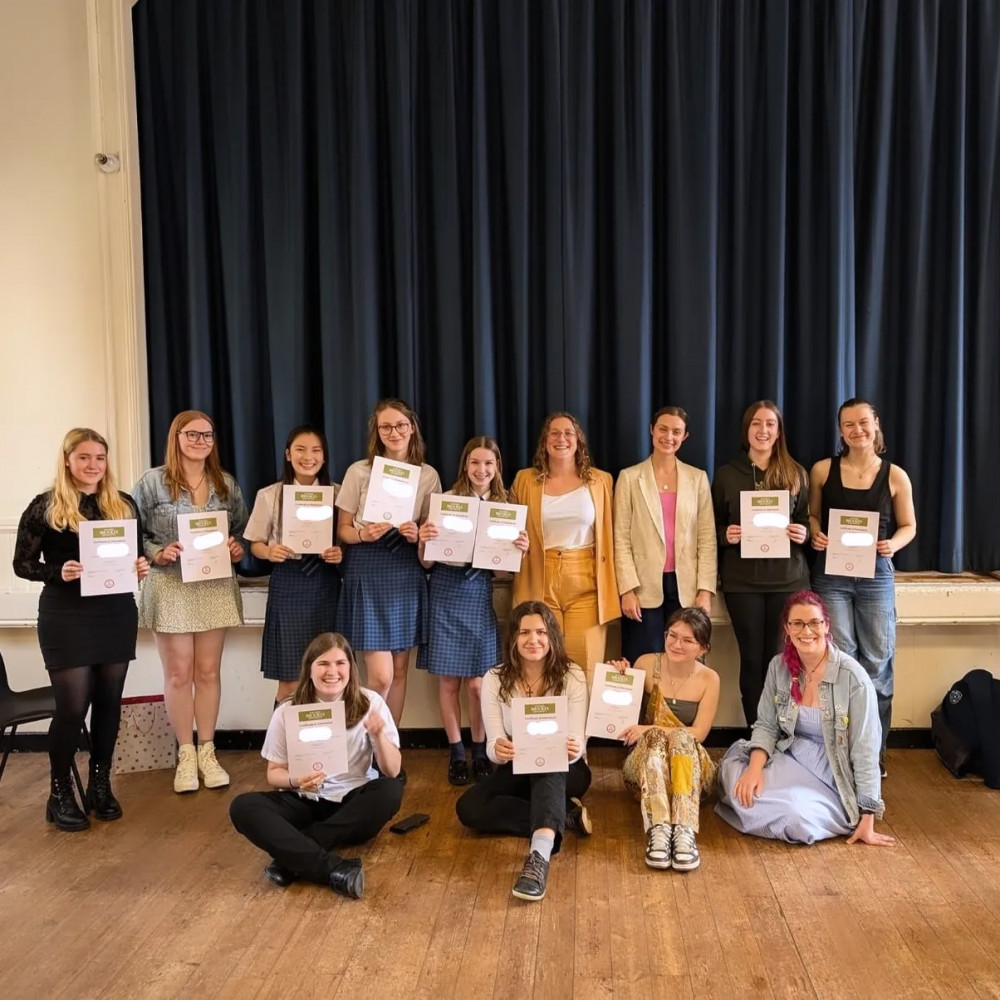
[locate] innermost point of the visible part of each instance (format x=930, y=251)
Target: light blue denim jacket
x=851, y=730
x=158, y=513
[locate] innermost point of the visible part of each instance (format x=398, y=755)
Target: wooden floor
x=170, y=902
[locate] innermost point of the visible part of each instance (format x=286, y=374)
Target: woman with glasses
x=189, y=620
x=383, y=601
x=570, y=564
x=810, y=768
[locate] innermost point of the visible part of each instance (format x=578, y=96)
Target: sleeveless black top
x=877, y=498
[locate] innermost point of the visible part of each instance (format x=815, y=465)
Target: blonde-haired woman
x=570, y=564
x=190, y=620
x=87, y=643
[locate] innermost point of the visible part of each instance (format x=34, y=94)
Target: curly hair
x=584, y=463
x=557, y=663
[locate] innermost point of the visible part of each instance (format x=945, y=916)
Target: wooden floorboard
x=171, y=903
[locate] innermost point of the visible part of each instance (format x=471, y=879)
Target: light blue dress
x=799, y=802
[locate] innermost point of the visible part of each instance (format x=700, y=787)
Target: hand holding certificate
x=108, y=552
x=498, y=527
x=455, y=520
x=853, y=538
x=763, y=523
x=615, y=700
x=392, y=492
x=205, y=539
x=307, y=518
x=316, y=739
x=539, y=731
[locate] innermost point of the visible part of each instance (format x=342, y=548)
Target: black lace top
x=40, y=550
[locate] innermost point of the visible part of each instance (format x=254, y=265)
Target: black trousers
x=301, y=833
x=756, y=621
x=519, y=804
x=646, y=636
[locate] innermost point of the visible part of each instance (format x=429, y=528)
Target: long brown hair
x=584, y=463
x=783, y=472
x=557, y=663
x=356, y=703
x=879, y=439
x=417, y=450
x=173, y=471
x=462, y=487
x=63, y=510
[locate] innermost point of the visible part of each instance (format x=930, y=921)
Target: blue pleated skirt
x=463, y=639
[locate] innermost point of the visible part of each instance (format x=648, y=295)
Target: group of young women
x=591, y=555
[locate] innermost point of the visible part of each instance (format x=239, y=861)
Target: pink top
x=668, y=503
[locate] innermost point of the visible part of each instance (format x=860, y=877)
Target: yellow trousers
x=571, y=593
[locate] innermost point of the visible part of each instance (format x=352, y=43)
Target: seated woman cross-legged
x=538, y=806
x=668, y=770
x=810, y=768
x=300, y=824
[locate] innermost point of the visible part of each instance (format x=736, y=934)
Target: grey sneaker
x=658, y=845
x=531, y=882
x=685, y=849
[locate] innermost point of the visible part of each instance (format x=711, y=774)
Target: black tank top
x=877, y=497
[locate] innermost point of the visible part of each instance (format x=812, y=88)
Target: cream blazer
x=640, y=545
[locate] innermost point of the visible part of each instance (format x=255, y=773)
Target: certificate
x=307, y=518
x=392, y=492
x=539, y=728
x=853, y=538
x=108, y=551
x=205, y=537
x=455, y=519
x=763, y=520
x=498, y=527
x=316, y=739
x=615, y=701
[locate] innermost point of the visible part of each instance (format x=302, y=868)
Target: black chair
x=18, y=708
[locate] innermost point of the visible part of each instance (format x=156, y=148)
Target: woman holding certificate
x=312, y=812
x=665, y=549
x=533, y=794
x=463, y=640
x=758, y=579
x=855, y=484
x=189, y=619
x=570, y=564
x=383, y=602
x=304, y=585
x=87, y=642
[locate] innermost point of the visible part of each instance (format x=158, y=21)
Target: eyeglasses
x=814, y=624
x=400, y=428
x=569, y=435
x=195, y=436
x=684, y=640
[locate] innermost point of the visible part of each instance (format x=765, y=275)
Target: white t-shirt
x=354, y=492
x=360, y=768
x=264, y=524
x=568, y=520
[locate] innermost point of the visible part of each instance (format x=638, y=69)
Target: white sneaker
x=212, y=772
x=186, y=775
x=685, y=851
x=658, y=845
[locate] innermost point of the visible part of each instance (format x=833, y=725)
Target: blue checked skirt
x=383, y=602
x=463, y=639
x=302, y=601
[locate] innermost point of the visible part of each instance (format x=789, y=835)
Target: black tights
x=76, y=689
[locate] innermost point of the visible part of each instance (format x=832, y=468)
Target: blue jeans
x=863, y=620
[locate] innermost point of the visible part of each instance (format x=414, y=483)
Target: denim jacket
x=851, y=730
x=158, y=513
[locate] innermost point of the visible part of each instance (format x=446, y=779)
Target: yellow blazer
x=529, y=583
x=640, y=545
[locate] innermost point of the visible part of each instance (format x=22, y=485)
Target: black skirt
x=75, y=631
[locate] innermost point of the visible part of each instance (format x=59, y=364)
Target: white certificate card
x=498, y=527
x=205, y=540
x=392, y=492
x=108, y=551
x=615, y=701
x=455, y=519
x=539, y=730
x=853, y=538
x=316, y=739
x=763, y=520
x=307, y=518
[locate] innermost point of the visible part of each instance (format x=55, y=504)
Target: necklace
x=673, y=684
x=665, y=485
x=861, y=473
x=193, y=490
x=529, y=689
x=810, y=674
x=753, y=471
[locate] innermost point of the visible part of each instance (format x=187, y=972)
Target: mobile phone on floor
x=410, y=823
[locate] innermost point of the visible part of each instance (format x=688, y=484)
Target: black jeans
x=647, y=636
x=300, y=833
x=519, y=804
x=756, y=621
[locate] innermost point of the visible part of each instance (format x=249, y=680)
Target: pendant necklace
x=673, y=684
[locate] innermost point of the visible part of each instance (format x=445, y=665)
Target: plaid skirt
x=463, y=639
x=301, y=603
x=383, y=601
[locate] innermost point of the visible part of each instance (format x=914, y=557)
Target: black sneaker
x=279, y=876
x=531, y=883
x=348, y=879
x=578, y=819
x=458, y=771
x=481, y=768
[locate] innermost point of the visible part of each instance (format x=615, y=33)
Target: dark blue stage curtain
x=497, y=208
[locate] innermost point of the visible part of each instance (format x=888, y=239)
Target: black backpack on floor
x=966, y=727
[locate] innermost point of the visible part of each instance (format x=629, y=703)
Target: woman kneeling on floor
x=537, y=806
x=300, y=824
